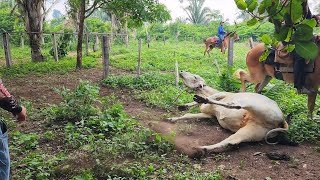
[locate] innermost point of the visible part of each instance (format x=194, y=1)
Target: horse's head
x=234, y=35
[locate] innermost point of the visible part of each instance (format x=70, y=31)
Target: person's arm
x=9, y=103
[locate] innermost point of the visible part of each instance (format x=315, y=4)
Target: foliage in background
x=290, y=21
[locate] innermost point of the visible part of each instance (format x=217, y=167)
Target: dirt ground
x=248, y=161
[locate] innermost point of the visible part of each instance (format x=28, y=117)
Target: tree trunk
x=80, y=33
x=32, y=9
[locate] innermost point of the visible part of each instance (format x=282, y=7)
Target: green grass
x=112, y=144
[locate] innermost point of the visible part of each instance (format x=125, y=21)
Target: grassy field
x=103, y=141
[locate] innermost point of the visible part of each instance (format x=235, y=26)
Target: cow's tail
x=283, y=129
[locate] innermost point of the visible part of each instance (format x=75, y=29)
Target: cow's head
x=192, y=81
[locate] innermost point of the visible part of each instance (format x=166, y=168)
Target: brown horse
x=211, y=42
x=261, y=73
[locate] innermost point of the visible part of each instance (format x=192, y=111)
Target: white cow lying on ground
x=251, y=116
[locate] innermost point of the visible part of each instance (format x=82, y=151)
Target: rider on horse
x=221, y=32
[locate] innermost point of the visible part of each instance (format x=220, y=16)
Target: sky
x=227, y=8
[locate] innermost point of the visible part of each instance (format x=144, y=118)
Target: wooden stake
x=177, y=73
x=55, y=48
x=139, y=58
x=105, y=56
x=251, y=42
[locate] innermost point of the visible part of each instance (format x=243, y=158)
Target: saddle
x=214, y=41
x=282, y=61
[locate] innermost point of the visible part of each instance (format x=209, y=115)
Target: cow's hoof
x=199, y=152
x=183, y=108
x=200, y=99
x=172, y=120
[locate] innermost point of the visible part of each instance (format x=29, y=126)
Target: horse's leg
x=244, y=77
x=260, y=86
x=205, y=50
x=209, y=50
x=311, y=102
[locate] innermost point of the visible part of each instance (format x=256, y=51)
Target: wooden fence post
x=148, y=41
x=164, y=41
x=87, y=43
x=105, y=56
x=193, y=38
x=96, y=44
x=139, y=58
x=22, y=40
x=55, y=48
x=251, y=42
x=230, y=54
x=6, y=47
x=127, y=40
x=230, y=51
x=177, y=73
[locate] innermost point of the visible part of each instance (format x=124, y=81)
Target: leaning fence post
x=139, y=58
x=217, y=65
x=164, y=41
x=251, y=42
x=55, y=49
x=6, y=47
x=105, y=56
x=177, y=73
x=22, y=40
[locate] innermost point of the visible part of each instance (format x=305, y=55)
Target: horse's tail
x=237, y=73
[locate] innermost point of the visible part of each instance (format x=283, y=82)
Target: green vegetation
x=99, y=136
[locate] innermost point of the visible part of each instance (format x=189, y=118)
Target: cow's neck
x=206, y=91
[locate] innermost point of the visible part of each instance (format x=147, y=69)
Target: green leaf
x=289, y=35
x=262, y=8
x=252, y=22
x=264, y=55
x=266, y=39
x=252, y=5
x=289, y=48
x=283, y=33
x=310, y=22
x=296, y=10
x=307, y=50
x=303, y=33
x=241, y=4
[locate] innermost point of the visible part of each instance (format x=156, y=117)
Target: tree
x=291, y=19
x=33, y=13
x=197, y=14
x=215, y=15
x=137, y=11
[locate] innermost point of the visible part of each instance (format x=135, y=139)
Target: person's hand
x=22, y=116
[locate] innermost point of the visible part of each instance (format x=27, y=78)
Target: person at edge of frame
x=8, y=103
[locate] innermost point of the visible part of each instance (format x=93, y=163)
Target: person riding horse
x=221, y=33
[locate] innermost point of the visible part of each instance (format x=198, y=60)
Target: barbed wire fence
x=95, y=38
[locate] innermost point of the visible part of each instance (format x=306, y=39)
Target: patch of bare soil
x=248, y=161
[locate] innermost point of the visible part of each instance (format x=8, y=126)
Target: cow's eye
x=195, y=77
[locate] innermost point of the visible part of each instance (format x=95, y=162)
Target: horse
x=261, y=73
x=212, y=42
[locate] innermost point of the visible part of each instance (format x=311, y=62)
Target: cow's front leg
x=190, y=116
x=187, y=106
x=249, y=133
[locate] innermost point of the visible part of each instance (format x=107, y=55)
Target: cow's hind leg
x=191, y=116
x=248, y=133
